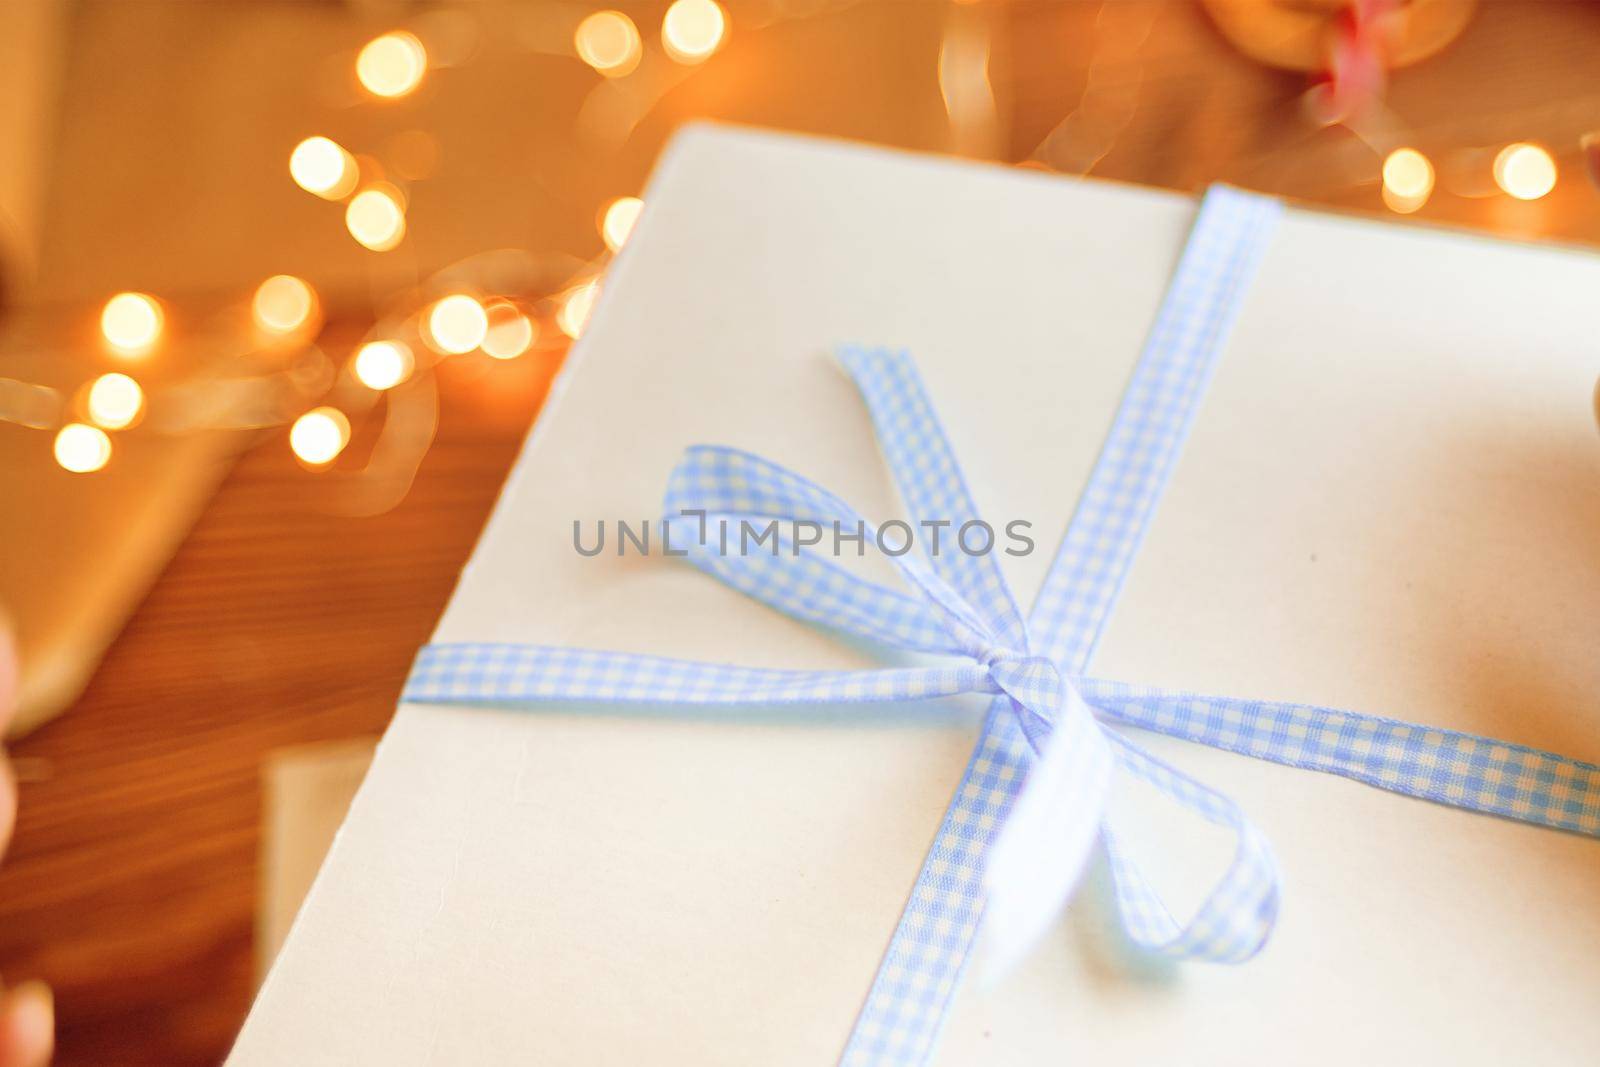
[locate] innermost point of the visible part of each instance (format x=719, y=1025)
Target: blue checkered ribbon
x=1034, y=800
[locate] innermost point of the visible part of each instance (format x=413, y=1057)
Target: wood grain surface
x=130, y=885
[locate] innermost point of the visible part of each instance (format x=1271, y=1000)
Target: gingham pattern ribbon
x=1033, y=801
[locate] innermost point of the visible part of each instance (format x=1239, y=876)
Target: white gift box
x=1389, y=502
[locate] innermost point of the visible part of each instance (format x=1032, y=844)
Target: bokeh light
x=693, y=29
x=320, y=166
x=456, y=324
x=115, y=401
x=617, y=223
x=392, y=65
x=131, y=323
x=318, y=436
x=283, y=304
x=609, y=42
x=1525, y=171
x=1407, y=180
x=375, y=218
x=383, y=365
x=82, y=449
x=510, y=332
x=576, y=307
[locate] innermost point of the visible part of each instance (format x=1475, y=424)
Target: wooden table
x=131, y=883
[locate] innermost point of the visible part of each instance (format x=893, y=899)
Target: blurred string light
x=609, y=42
x=456, y=324
x=131, y=323
x=693, y=30
x=285, y=308
x=1407, y=180
x=115, y=401
x=320, y=166
x=617, y=222
x=577, y=304
x=505, y=321
x=969, y=104
x=505, y=326
x=318, y=436
x=82, y=449
x=375, y=217
x=383, y=365
x=1111, y=90
x=283, y=304
x=1525, y=171
x=37, y=407
x=509, y=332
x=392, y=66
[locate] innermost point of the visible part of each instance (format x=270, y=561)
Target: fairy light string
x=469, y=308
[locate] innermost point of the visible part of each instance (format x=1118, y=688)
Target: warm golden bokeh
x=82, y=449
x=376, y=218
x=1525, y=171
x=1407, y=180
x=392, y=65
x=510, y=332
x=609, y=42
x=456, y=324
x=577, y=304
x=383, y=365
x=319, y=165
x=619, y=219
x=131, y=323
x=693, y=30
x=283, y=304
x=319, y=435
x=115, y=401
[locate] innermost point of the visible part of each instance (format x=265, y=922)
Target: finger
x=27, y=1026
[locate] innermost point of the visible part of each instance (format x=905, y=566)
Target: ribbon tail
x=1042, y=850
x=1444, y=766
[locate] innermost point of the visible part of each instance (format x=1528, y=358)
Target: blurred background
x=283, y=284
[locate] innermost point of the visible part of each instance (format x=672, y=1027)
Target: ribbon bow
x=959, y=605
x=955, y=605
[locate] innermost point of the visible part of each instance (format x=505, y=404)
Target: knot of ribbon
x=958, y=605
x=1035, y=687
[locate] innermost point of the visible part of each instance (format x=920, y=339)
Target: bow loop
x=925, y=469
x=762, y=528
